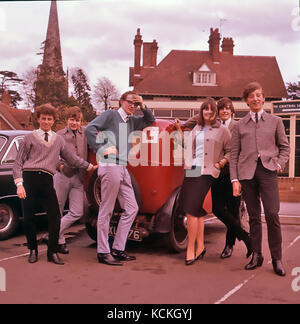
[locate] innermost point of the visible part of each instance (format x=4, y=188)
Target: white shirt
x=123, y=115
x=41, y=133
x=227, y=122
x=259, y=113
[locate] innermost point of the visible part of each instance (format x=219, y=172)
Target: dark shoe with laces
x=122, y=255
x=107, y=258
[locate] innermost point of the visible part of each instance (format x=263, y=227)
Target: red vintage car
x=156, y=169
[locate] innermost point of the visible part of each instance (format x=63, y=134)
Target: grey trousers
x=73, y=188
x=115, y=183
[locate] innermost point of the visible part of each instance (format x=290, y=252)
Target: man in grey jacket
x=259, y=150
x=68, y=181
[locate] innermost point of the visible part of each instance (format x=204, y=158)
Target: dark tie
x=126, y=118
x=223, y=122
x=46, y=137
x=256, y=118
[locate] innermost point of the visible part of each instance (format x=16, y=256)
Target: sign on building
x=286, y=107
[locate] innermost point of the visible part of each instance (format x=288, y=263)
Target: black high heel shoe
x=189, y=262
x=201, y=255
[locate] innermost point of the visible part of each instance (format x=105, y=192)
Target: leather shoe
x=227, y=252
x=256, y=261
x=33, y=257
x=107, y=258
x=62, y=248
x=278, y=268
x=54, y=257
x=122, y=255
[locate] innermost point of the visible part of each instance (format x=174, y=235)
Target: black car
x=10, y=204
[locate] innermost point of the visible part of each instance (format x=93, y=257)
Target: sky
x=97, y=35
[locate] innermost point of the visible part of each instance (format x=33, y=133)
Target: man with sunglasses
x=112, y=148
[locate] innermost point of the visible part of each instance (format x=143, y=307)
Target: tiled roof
x=174, y=75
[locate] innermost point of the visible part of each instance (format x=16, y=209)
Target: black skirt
x=193, y=193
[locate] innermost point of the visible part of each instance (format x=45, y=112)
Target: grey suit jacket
x=77, y=145
x=266, y=139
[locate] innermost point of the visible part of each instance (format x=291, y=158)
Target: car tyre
x=176, y=239
x=9, y=220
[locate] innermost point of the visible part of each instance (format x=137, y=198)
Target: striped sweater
x=35, y=154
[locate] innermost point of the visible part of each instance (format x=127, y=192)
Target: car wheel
x=9, y=221
x=176, y=239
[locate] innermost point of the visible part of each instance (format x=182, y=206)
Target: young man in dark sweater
x=33, y=172
x=112, y=150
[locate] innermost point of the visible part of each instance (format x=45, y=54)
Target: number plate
x=134, y=234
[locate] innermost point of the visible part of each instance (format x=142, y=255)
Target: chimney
x=227, y=45
x=154, y=49
x=137, y=52
x=147, y=54
x=150, y=54
x=214, y=44
x=6, y=98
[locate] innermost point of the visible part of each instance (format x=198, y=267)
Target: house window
x=204, y=79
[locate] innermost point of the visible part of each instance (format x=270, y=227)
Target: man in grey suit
x=68, y=181
x=259, y=151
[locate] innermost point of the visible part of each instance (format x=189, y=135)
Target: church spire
x=52, y=85
x=52, y=50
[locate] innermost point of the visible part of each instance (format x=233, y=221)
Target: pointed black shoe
x=201, y=255
x=33, y=256
x=189, y=262
x=227, y=252
x=122, y=255
x=54, y=257
x=278, y=268
x=256, y=261
x=107, y=258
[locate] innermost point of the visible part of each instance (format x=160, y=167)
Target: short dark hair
x=208, y=102
x=46, y=109
x=250, y=87
x=74, y=112
x=125, y=94
x=223, y=102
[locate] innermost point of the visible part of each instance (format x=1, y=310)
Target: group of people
x=233, y=158
x=228, y=157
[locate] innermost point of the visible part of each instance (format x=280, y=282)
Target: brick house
x=179, y=83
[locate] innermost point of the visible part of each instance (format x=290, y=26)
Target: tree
x=82, y=94
x=28, y=93
x=104, y=92
x=293, y=90
x=9, y=81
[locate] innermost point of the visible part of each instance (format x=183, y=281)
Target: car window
x=2, y=142
x=12, y=151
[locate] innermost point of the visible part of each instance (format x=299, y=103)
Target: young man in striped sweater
x=33, y=172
